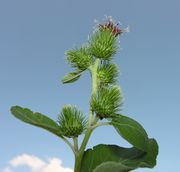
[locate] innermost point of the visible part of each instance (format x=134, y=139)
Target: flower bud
x=72, y=122
x=107, y=102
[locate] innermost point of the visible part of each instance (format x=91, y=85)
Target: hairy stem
x=94, y=76
x=93, y=70
x=91, y=121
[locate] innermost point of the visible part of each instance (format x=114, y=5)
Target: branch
x=70, y=144
x=101, y=124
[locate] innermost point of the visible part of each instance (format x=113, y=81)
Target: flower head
x=71, y=121
x=111, y=25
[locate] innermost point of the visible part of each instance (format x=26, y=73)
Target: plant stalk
x=93, y=70
x=69, y=144
x=75, y=140
x=79, y=154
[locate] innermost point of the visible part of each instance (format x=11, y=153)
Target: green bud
x=107, y=74
x=71, y=121
x=107, y=102
x=79, y=58
x=103, y=44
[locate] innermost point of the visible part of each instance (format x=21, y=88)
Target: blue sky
x=33, y=38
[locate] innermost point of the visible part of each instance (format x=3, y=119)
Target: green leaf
x=112, y=166
x=105, y=158
x=71, y=77
x=36, y=119
x=150, y=158
x=132, y=131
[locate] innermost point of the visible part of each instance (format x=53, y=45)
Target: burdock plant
x=96, y=57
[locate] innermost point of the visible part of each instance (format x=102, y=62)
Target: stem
x=101, y=124
x=96, y=119
x=93, y=70
x=79, y=155
x=75, y=144
x=94, y=76
x=70, y=145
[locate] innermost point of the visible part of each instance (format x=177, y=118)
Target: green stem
x=93, y=70
x=94, y=76
x=101, y=124
x=75, y=144
x=96, y=119
x=79, y=155
x=69, y=143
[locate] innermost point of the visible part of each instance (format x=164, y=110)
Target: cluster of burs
x=95, y=57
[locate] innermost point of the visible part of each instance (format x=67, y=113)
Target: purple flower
x=112, y=26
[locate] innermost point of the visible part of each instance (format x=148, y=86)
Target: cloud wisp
x=36, y=164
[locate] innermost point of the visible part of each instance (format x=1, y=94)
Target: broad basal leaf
x=132, y=131
x=106, y=158
x=71, y=77
x=150, y=158
x=36, y=119
x=112, y=166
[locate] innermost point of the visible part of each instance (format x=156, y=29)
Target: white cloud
x=7, y=169
x=28, y=160
x=36, y=164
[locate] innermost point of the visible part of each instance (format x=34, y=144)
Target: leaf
x=150, y=158
x=36, y=119
x=71, y=77
x=132, y=131
x=105, y=158
x=112, y=166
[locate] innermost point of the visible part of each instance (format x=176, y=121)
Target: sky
x=34, y=36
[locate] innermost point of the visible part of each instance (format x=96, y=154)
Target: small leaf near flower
x=71, y=77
